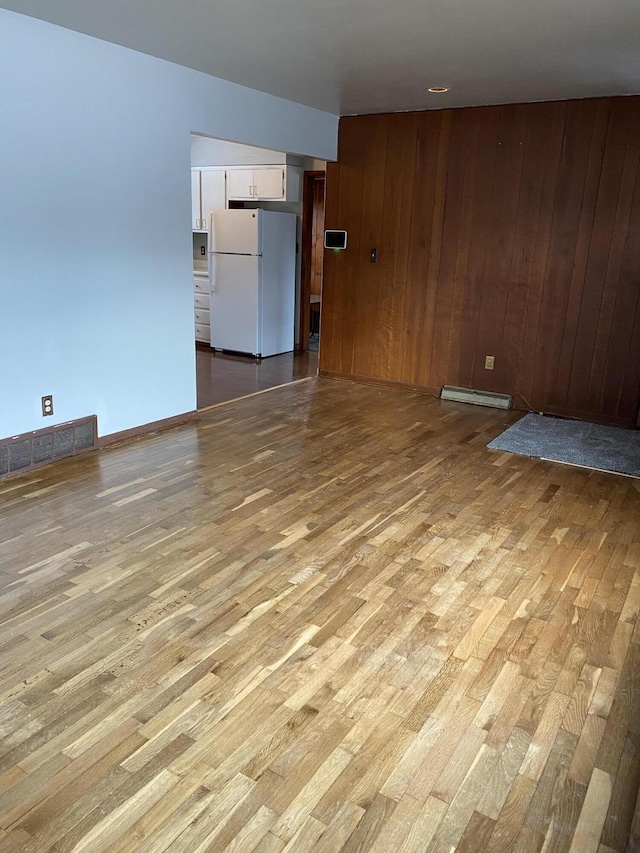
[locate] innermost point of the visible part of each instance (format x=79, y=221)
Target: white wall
x=94, y=152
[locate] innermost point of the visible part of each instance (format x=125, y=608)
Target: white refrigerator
x=252, y=279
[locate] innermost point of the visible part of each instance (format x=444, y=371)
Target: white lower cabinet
x=201, y=307
x=203, y=334
x=200, y=300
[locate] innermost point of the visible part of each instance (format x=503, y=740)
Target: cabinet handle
x=255, y=191
x=250, y=190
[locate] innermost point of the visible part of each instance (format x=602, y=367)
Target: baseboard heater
x=477, y=398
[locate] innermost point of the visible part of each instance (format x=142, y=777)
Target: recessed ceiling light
x=438, y=90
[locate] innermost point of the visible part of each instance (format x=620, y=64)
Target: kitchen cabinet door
x=201, y=314
x=268, y=184
x=240, y=183
x=196, y=215
x=208, y=192
x=257, y=184
x=213, y=187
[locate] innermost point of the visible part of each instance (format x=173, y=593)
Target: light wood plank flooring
x=325, y=618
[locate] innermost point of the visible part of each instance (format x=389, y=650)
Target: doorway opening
x=220, y=169
x=313, y=197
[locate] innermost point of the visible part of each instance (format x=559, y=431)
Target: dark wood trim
x=147, y=429
x=308, y=181
x=579, y=414
x=428, y=390
x=432, y=391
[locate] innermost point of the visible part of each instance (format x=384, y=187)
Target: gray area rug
x=574, y=442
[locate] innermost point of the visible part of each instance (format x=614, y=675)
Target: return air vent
x=477, y=398
x=33, y=449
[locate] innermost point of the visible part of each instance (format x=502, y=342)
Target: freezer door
x=234, y=303
x=234, y=232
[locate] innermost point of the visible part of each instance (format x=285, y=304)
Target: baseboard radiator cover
x=475, y=397
x=22, y=453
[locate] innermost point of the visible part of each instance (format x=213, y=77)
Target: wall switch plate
x=47, y=405
x=489, y=361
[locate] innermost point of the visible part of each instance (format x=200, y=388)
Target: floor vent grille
x=21, y=453
x=477, y=398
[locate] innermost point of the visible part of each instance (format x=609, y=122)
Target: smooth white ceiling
x=364, y=56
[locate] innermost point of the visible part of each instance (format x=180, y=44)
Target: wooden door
x=312, y=249
x=317, y=237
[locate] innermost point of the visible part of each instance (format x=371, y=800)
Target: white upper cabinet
x=213, y=188
x=269, y=183
x=196, y=210
x=273, y=183
x=208, y=192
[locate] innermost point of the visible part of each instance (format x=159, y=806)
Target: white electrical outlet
x=489, y=361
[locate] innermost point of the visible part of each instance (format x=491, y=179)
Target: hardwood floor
x=324, y=619
x=221, y=377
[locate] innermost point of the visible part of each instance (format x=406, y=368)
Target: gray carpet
x=575, y=442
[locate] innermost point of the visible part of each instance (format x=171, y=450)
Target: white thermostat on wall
x=335, y=239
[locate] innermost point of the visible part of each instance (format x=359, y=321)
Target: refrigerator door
x=278, y=281
x=234, y=232
x=234, y=302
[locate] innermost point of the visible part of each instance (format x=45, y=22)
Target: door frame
x=308, y=181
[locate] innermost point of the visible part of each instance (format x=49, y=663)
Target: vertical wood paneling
x=502, y=216
x=449, y=249
x=621, y=387
x=435, y=242
x=565, y=227
x=478, y=238
x=429, y=177
x=522, y=294
x=613, y=282
x=393, y=246
x=371, y=229
x=510, y=231
x=577, y=302
x=460, y=290
x=551, y=150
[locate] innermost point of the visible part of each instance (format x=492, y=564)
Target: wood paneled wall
x=511, y=231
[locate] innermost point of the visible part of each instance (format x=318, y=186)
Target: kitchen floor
x=222, y=377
